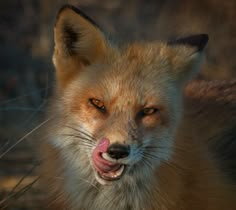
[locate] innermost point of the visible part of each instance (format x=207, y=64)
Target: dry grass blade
x=24, y=137
x=16, y=195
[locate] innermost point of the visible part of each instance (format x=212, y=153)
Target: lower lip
x=114, y=175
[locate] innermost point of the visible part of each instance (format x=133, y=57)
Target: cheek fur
x=160, y=147
x=151, y=121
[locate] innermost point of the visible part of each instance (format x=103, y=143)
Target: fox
x=133, y=127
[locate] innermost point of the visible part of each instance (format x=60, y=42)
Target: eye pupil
x=149, y=111
x=97, y=104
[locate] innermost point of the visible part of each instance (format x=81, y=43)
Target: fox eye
x=97, y=104
x=149, y=111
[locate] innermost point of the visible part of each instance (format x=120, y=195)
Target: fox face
x=117, y=108
x=125, y=116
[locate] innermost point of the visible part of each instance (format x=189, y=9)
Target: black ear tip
x=199, y=41
x=205, y=37
x=63, y=8
x=78, y=11
x=203, y=41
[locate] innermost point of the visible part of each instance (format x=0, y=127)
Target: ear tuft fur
x=70, y=37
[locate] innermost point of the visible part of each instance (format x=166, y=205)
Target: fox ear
x=187, y=55
x=198, y=41
x=78, y=43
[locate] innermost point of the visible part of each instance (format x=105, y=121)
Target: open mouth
x=107, y=170
x=111, y=175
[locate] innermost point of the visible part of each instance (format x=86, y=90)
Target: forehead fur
x=156, y=62
x=138, y=73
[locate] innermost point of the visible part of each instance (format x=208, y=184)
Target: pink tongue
x=102, y=145
x=102, y=165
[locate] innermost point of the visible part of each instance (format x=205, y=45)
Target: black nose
x=118, y=151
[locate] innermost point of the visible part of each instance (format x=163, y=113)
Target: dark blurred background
x=26, y=70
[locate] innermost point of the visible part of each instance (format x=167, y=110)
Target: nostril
x=118, y=151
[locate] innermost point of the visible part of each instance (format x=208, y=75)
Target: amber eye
x=149, y=111
x=97, y=104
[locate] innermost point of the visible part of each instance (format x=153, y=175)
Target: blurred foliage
x=26, y=44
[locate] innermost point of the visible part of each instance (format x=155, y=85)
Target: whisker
x=164, y=147
x=81, y=141
x=78, y=136
x=84, y=132
x=147, y=162
x=162, y=150
x=171, y=164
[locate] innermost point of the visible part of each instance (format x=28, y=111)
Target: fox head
x=119, y=106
